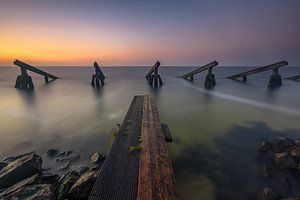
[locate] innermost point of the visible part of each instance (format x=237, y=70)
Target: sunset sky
x=137, y=32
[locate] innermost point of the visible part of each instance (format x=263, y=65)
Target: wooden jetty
x=294, y=78
x=24, y=81
x=138, y=166
x=98, y=78
x=210, y=80
x=275, y=78
x=153, y=77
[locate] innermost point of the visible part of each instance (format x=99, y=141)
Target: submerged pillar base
x=275, y=80
x=210, y=80
x=155, y=80
x=97, y=80
x=192, y=78
x=24, y=82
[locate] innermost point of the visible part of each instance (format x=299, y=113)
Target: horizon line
x=142, y=66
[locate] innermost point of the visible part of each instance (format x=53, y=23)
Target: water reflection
x=230, y=168
x=98, y=91
x=213, y=148
x=28, y=97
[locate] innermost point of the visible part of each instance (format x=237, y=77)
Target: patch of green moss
x=114, y=133
x=132, y=149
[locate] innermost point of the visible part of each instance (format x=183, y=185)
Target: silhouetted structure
x=138, y=165
x=24, y=81
x=210, y=80
x=294, y=78
x=98, y=77
x=153, y=77
x=275, y=78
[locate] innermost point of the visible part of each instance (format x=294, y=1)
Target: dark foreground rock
x=67, y=181
x=268, y=194
x=20, y=169
x=2, y=165
x=97, y=158
x=52, y=152
x=83, y=186
x=33, y=192
x=22, y=177
x=29, y=181
x=279, y=163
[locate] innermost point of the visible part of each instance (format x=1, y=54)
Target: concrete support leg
x=275, y=79
x=24, y=82
x=93, y=80
x=160, y=81
x=97, y=81
x=102, y=81
x=155, y=81
x=192, y=78
x=210, y=79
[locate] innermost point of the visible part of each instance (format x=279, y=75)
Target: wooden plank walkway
x=156, y=176
x=138, y=165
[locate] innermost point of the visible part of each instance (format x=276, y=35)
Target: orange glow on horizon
x=56, y=48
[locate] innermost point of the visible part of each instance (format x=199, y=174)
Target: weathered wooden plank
x=118, y=178
x=156, y=177
x=166, y=132
x=260, y=69
x=33, y=69
x=201, y=69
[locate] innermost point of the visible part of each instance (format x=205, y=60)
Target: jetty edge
x=138, y=165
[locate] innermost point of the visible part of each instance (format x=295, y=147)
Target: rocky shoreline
x=280, y=167
x=23, y=177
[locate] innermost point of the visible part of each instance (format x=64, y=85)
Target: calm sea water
x=216, y=132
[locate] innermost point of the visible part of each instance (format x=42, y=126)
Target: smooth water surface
x=216, y=132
